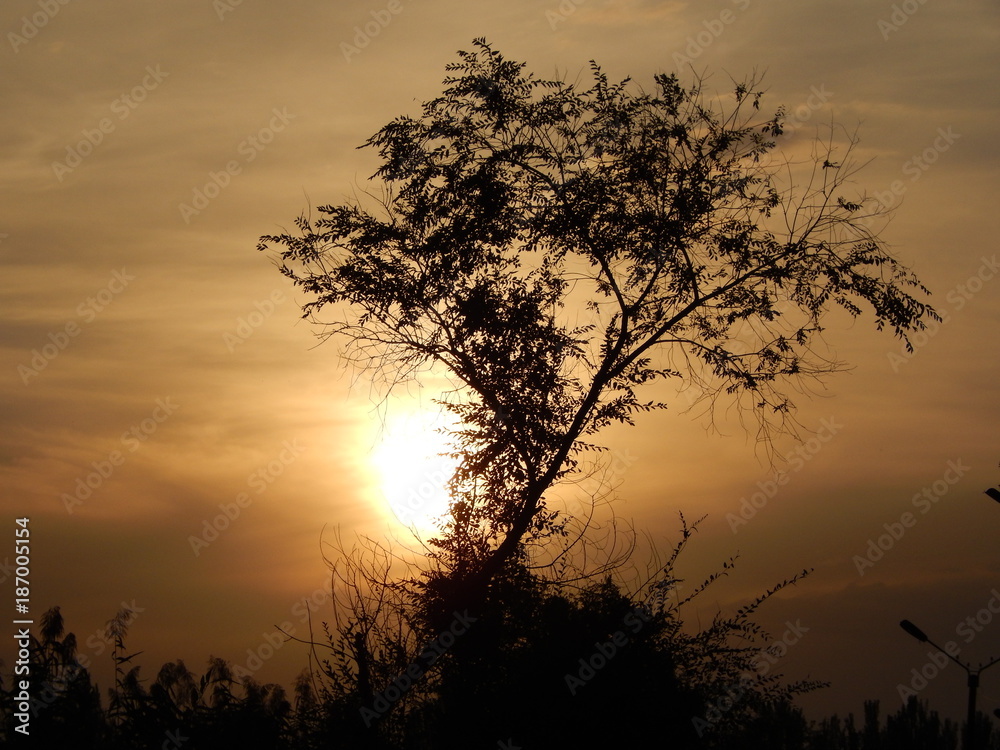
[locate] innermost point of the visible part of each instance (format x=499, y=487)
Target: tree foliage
x=554, y=249
x=581, y=663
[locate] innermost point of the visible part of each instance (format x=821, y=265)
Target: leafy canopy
x=553, y=248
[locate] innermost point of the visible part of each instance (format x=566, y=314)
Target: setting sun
x=413, y=472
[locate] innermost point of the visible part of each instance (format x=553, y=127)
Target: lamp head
x=913, y=630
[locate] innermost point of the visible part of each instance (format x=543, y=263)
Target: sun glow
x=413, y=473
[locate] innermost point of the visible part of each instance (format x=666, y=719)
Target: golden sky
x=156, y=373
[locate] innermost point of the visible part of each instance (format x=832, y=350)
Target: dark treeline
x=542, y=670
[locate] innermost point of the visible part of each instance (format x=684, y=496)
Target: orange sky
x=150, y=349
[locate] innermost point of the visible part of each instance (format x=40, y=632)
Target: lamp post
x=973, y=681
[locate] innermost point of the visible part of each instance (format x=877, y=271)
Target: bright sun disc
x=412, y=472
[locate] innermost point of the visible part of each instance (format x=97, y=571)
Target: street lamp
x=994, y=493
x=973, y=681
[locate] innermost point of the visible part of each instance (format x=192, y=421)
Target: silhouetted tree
x=550, y=662
x=554, y=249
x=913, y=727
